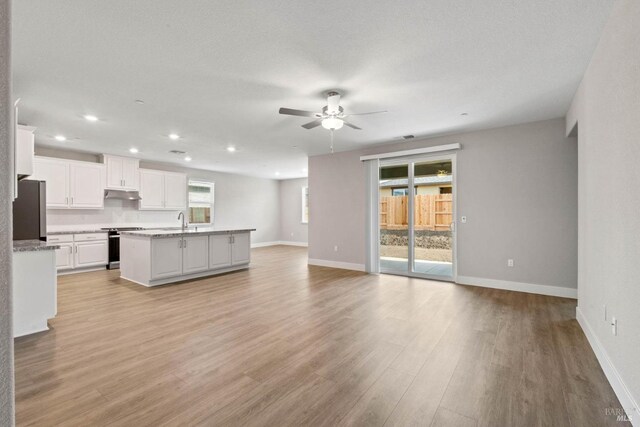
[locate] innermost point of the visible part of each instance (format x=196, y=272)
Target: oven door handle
x=115, y=237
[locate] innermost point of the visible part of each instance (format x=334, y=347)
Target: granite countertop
x=32, y=245
x=55, y=233
x=169, y=232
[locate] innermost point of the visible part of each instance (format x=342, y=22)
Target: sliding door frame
x=411, y=161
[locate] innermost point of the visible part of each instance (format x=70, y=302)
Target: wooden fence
x=431, y=212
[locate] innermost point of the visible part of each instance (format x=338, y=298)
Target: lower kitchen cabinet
x=91, y=254
x=166, y=257
x=240, y=248
x=195, y=254
x=80, y=251
x=64, y=256
x=219, y=251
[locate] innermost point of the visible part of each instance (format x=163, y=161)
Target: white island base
x=158, y=257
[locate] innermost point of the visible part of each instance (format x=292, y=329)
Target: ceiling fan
x=332, y=116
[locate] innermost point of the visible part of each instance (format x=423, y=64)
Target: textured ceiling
x=216, y=72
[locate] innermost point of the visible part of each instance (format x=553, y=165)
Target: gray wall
x=239, y=200
x=517, y=186
x=291, y=227
x=6, y=330
x=607, y=111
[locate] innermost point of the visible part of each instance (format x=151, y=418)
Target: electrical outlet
x=614, y=326
x=463, y=219
x=335, y=248
x=509, y=263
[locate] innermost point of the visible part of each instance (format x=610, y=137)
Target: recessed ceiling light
x=304, y=170
x=133, y=150
x=464, y=114
x=174, y=136
x=60, y=138
x=231, y=148
x=187, y=159
x=408, y=136
x=277, y=173
x=90, y=118
x=139, y=101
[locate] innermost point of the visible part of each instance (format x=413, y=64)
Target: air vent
x=408, y=137
x=177, y=152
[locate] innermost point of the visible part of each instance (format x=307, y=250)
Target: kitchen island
x=158, y=257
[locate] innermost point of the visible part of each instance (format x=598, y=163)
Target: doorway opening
x=416, y=211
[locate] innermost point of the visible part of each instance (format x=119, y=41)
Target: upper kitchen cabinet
x=122, y=173
x=24, y=151
x=175, y=191
x=56, y=174
x=161, y=190
x=71, y=184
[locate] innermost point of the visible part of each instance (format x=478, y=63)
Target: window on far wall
x=305, y=205
x=200, y=202
x=399, y=191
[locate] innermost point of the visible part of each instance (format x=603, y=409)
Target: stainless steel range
x=114, y=244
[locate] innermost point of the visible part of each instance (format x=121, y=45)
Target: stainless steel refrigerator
x=30, y=211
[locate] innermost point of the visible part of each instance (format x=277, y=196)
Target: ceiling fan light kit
x=331, y=118
x=332, y=123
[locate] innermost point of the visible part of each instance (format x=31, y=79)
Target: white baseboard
x=530, y=288
x=621, y=390
x=290, y=243
x=279, y=242
x=336, y=264
x=263, y=244
x=80, y=270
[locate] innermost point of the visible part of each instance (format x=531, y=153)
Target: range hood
x=121, y=195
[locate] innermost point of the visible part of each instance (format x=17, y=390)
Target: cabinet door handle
x=185, y=243
x=72, y=200
x=66, y=200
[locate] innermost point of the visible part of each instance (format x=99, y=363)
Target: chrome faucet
x=184, y=220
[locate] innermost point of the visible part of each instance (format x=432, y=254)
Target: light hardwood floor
x=287, y=344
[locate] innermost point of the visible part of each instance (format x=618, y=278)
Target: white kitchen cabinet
x=122, y=172
x=175, y=191
x=80, y=250
x=240, y=248
x=151, y=189
x=166, y=257
x=195, y=254
x=161, y=190
x=71, y=184
x=56, y=173
x=219, y=251
x=25, y=141
x=87, y=185
x=64, y=256
x=91, y=254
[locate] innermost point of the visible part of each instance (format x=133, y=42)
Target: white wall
x=6, y=251
x=517, y=186
x=607, y=111
x=239, y=201
x=291, y=227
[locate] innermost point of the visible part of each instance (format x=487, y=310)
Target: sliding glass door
x=416, y=217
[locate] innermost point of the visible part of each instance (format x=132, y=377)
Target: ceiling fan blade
x=351, y=125
x=366, y=114
x=292, y=112
x=312, y=124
